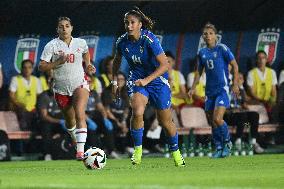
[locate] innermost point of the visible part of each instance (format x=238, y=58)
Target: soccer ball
x=94, y=158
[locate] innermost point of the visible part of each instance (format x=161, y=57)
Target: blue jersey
x=216, y=62
x=141, y=56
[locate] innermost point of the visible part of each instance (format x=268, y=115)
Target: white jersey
x=70, y=75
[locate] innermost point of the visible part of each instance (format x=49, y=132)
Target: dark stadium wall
x=106, y=20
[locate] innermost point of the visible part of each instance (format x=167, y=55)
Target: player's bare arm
x=116, y=65
x=46, y=66
x=195, y=81
x=235, y=87
x=163, y=67
x=13, y=99
x=89, y=66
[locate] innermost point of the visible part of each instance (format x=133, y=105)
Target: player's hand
x=235, y=89
x=91, y=69
x=124, y=130
x=141, y=82
x=114, y=88
x=191, y=92
x=62, y=59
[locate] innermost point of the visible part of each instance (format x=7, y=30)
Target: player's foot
x=217, y=154
x=179, y=161
x=137, y=155
x=227, y=149
x=80, y=156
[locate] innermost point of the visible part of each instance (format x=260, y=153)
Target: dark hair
x=104, y=63
x=147, y=23
x=260, y=52
x=25, y=62
x=121, y=73
x=169, y=54
x=64, y=18
x=209, y=25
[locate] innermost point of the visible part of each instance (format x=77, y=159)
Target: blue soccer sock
x=173, y=143
x=217, y=137
x=137, y=135
x=225, y=132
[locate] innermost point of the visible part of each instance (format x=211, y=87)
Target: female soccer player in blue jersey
x=215, y=58
x=147, y=80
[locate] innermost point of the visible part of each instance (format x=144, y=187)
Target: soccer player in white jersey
x=65, y=55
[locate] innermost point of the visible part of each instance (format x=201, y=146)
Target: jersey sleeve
x=190, y=79
x=39, y=87
x=181, y=78
x=227, y=53
x=250, y=79
x=47, y=53
x=85, y=46
x=13, y=85
x=154, y=43
x=281, y=77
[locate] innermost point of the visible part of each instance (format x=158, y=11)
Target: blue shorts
x=158, y=95
x=221, y=99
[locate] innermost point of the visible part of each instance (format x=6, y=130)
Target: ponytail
x=147, y=22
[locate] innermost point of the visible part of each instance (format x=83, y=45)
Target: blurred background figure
x=178, y=89
x=106, y=71
x=280, y=96
x=95, y=83
x=3, y=100
x=100, y=128
x=24, y=89
x=117, y=109
x=51, y=120
x=240, y=116
x=44, y=77
x=262, y=82
x=198, y=98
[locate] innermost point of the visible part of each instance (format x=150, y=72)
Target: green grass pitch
x=262, y=171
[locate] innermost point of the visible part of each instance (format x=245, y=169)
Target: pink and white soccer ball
x=94, y=158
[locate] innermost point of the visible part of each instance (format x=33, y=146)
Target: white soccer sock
x=72, y=133
x=81, y=136
x=238, y=141
x=253, y=140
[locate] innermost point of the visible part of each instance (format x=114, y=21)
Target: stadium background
x=179, y=24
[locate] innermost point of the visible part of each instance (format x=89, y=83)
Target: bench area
x=9, y=123
x=194, y=120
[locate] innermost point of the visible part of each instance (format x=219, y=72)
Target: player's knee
x=138, y=111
